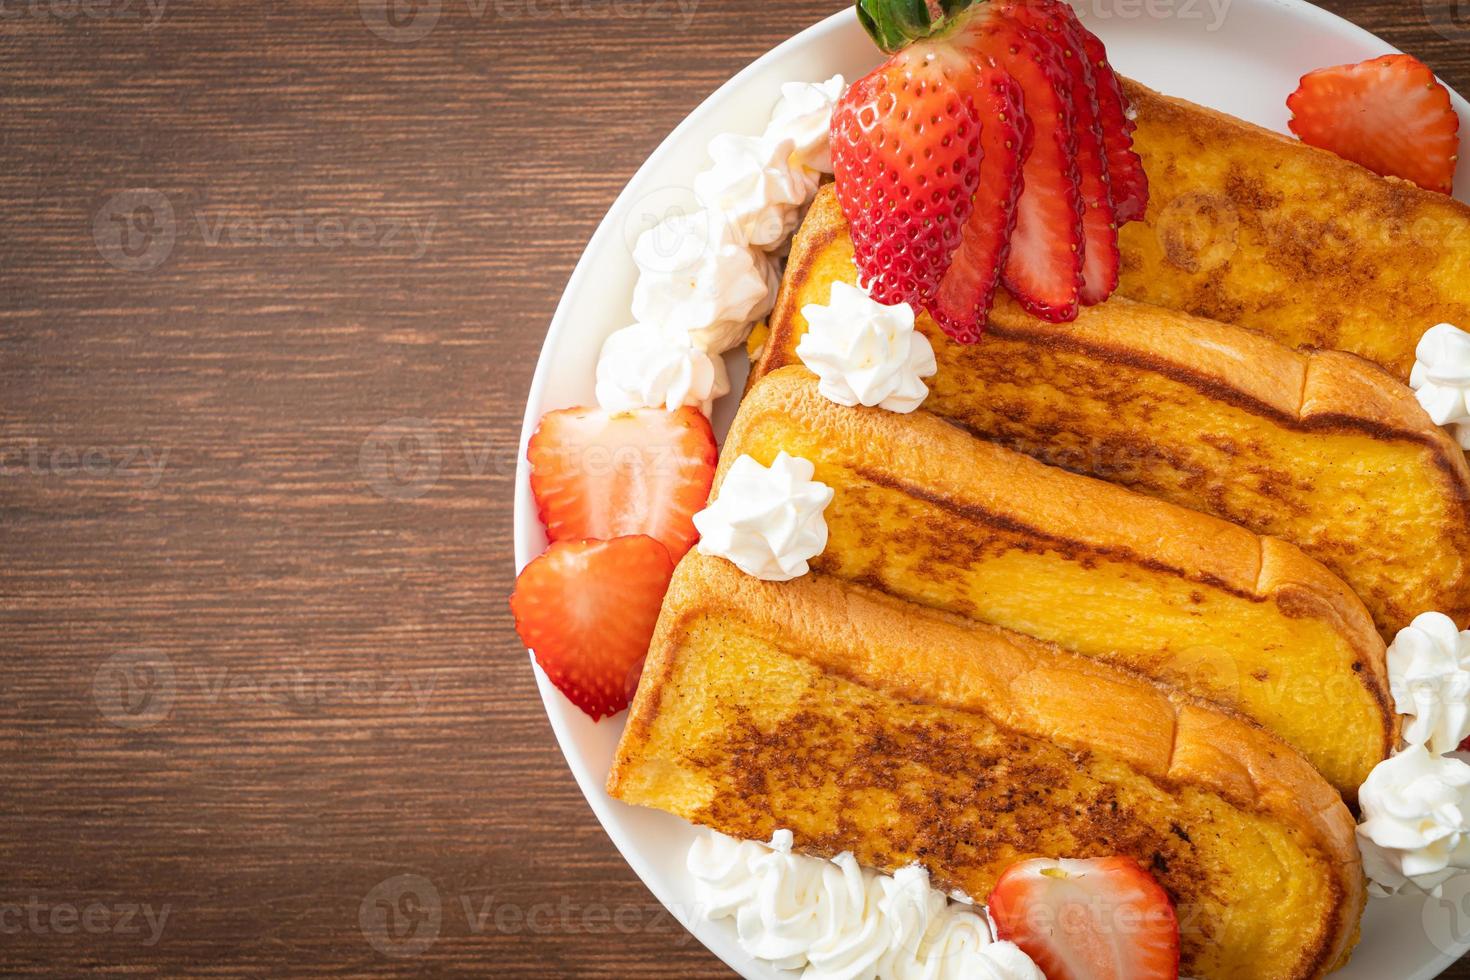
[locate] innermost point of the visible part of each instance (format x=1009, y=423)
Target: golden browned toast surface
x=1321, y=448
x=1251, y=227
x=929, y=513
x=904, y=735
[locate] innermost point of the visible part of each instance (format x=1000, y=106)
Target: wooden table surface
x=273, y=280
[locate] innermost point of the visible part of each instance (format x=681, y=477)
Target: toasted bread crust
x=1251, y=227
x=1309, y=392
x=1027, y=507
x=1030, y=688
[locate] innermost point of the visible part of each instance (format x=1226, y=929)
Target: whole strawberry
x=906, y=156
x=992, y=146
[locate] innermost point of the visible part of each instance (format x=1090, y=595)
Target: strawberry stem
x=895, y=24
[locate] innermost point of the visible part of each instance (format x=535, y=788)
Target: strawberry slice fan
x=992, y=148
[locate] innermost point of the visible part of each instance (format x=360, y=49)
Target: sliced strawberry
x=601, y=475
x=1389, y=114
x=965, y=293
x=587, y=610
x=1044, y=266
x=1125, y=169
x=1099, y=226
x=906, y=159
x=1098, y=919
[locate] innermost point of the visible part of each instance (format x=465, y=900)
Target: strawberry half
x=1044, y=266
x=1125, y=170
x=1389, y=114
x=587, y=610
x=605, y=475
x=906, y=158
x=1096, y=919
x=968, y=287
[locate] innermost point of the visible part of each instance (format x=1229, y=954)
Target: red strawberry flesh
x=1044, y=266
x=906, y=155
x=1099, y=226
x=1095, y=919
x=1125, y=170
x=1389, y=114
x=605, y=475
x=968, y=287
x=587, y=609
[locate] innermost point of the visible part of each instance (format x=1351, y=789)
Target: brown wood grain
x=255, y=534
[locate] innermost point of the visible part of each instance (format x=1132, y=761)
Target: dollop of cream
x=866, y=353
x=643, y=366
x=697, y=277
x=804, y=116
x=1441, y=378
x=1415, y=831
x=757, y=186
x=835, y=919
x=767, y=520
x=1429, y=676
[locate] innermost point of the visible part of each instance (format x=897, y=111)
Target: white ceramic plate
x=1241, y=56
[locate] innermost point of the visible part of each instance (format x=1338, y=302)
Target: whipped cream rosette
x=767, y=520
x=1429, y=677
x=1441, y=378
x=865, y=352
x=644, y=366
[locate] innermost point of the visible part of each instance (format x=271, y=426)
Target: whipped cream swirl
x=1429, y=677
x=1416, y=822
x=644, y=367
x=695, y=276
x=767, y=520
x=757, y=186
x=834, y=919
x=866, y=353
x=1441, y=378
x=804, y=116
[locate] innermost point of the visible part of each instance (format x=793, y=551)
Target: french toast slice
x=931, y=514
x=1322, y=448
x=1251, y=227
x=862, y=723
